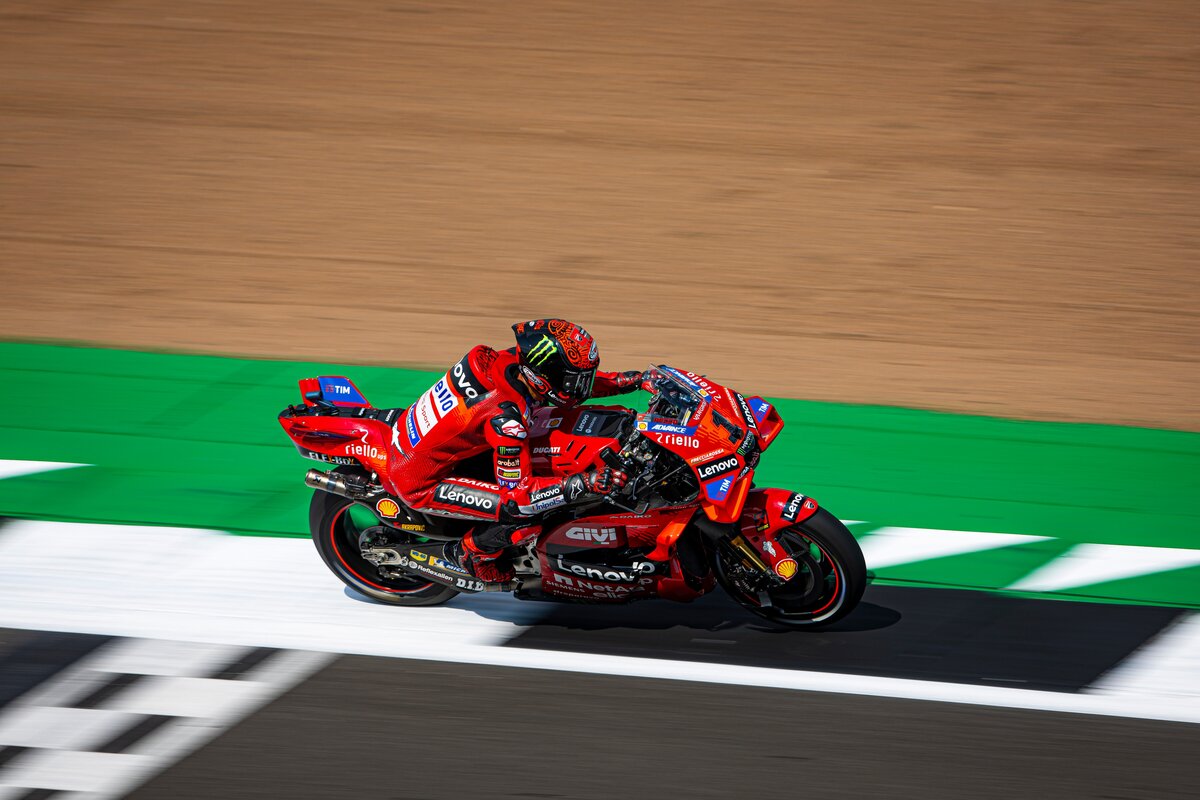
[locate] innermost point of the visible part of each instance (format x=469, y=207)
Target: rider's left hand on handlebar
x=584, y=487
x=629, y=381
x=605, y=481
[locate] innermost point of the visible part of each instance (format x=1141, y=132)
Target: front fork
x=753, y=537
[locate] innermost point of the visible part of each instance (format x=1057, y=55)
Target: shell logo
x=786, y=568
x=387, y=508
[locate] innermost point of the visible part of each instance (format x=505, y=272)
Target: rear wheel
x=338, y=524
x=828, y=584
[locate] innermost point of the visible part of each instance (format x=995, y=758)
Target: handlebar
x=610, y=457
x=614, y=460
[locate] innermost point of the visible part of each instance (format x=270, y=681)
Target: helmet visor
x=577, y=383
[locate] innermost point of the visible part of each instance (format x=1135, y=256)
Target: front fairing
x=566, y=441
x=714, y=429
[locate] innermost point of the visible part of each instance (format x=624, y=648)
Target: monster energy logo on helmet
x=541, y=351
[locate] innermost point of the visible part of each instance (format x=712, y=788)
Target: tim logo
x=593, y=535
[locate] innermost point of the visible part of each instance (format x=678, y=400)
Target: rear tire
x=828, y=585
x=336, y=523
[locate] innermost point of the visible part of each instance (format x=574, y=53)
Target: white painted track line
x=1090, y=564
x=1168, y=667
x=60, y=728
x=203, y=586
x=889, y=546
x=196, y=585
x=192, y=711
x=10, y=468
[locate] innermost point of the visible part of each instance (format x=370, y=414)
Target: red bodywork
x=575, y=555
x=338, y=439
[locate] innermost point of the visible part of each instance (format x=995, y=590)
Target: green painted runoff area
x=193, y=441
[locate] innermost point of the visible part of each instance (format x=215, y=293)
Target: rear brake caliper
x=376, y=547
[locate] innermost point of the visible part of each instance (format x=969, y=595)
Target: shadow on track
x=713, y=612
x=899, y=632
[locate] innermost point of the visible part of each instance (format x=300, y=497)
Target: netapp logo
x=714, y=468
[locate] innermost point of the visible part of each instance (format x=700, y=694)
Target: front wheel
x=338, y=525
x=827, y=586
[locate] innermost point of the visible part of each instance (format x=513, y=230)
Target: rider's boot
x=495, y=567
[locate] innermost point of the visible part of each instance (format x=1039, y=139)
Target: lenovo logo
x=714, y=468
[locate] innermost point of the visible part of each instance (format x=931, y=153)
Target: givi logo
x=596, y=535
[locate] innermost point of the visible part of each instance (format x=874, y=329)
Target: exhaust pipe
x=336, y=484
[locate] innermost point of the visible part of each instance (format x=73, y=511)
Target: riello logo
x=364, y=450
x=676, y=440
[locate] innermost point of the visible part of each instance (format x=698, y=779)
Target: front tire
x=336, y=523
x=828, y=585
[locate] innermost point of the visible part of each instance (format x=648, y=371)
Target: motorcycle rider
x=483, y=403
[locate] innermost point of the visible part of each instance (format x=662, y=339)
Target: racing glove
x=629, y=381
x=593, y=484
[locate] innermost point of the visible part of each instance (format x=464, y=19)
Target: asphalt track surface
x=392, y=729
x=396, y=728
x=132, y=686
x=399, y=728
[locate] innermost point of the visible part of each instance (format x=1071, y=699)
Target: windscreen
x=676, y=397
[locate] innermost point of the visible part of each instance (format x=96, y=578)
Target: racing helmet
x=558, y=359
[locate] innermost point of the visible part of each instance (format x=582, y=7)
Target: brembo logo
x=715, y=468
x=597, y=535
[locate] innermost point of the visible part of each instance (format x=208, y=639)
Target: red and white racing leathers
x=479, y=405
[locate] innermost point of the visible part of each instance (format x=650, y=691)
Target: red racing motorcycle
x=689, y=518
